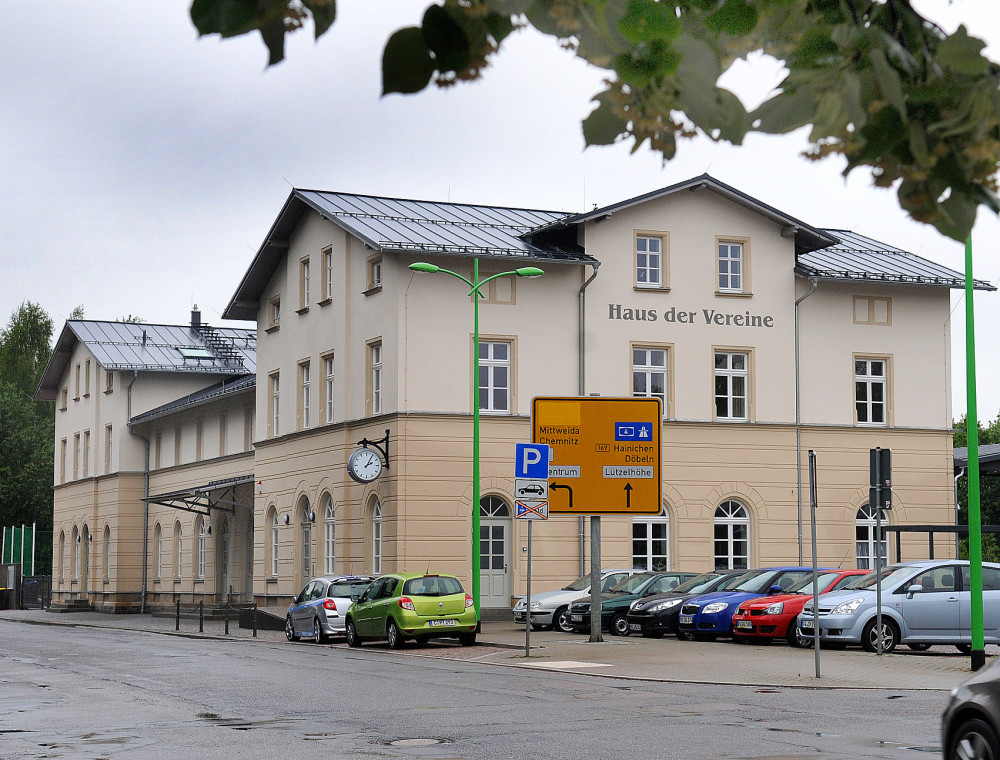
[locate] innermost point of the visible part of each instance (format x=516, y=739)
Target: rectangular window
x=76, y=456
x=274, y=313
x=109, y=381
x=648, y=261
x=177, y=445
x=86, y=379
x=649, y=374
x=76, y=396
x=248, y=413
x=108, y=449
x=157, y=449
x=872, y=311
x=304, y=283
x=223, y=435
x=199, y=440
x=327, y=275
x=62, y=460
x=730, y=267
x=502, y=290
x=870, y=391
x=86, y=453
x=305, y=396
x=328, y=388
x=375, y=377
x=732, y=375
x=494, y=376
x=274, y=407
x=65, y=400
x=375, y=273
x=274, y=547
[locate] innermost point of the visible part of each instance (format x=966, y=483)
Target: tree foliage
x=989, y=489
x=27, y=429
x=878, y=84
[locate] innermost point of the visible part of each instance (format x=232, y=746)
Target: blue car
x=710, y=615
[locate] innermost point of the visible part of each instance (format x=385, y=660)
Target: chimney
x=195, y=317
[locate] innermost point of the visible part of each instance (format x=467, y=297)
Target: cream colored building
x=698, y=294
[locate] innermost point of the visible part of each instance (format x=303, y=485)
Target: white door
x=494, y=552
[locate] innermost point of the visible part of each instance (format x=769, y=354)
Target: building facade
x=762, y=336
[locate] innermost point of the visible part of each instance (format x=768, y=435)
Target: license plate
x=744, y=624
x=686, y=619
x=447, y=621
x=635, y=626
x=576, y=618
x=807, y=623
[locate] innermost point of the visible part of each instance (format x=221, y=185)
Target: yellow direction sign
x=605, y=453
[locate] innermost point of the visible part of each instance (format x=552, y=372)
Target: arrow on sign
x=628, y=496
x=554, y=486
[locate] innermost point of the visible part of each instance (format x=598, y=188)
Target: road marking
x=567, y=664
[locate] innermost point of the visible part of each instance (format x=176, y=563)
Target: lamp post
x=475, y=284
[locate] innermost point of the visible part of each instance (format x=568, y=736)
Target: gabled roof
x=152, y=348
x=245, y=384
x=807, y=238
x=395, y=225
x=989, y=458
x=856, y=257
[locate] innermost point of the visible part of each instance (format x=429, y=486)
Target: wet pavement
x=667, y=659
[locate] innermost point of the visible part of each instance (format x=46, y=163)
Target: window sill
x=325, y=302
x=73, y=582
x=106, y=392
x=372, y=290
x=156, y=581
x=733, y=420
x=63, y=408
x=303, y=310
x=106, y=581
x=272, y=579
x=176, y=581
x=733, y=294
x=272, y=328
x=651, y=288
x=86, y=395
x=199, y=581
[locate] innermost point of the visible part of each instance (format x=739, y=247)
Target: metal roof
x=401, y=225
x=152, y=348
x=856, y=257
x=225, y=388
x=989, y=458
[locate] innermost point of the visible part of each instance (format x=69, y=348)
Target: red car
x=770, y=617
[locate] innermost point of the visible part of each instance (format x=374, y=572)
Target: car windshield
x=631, y=585
x=890, y=574
x=860, y=581
x=433, y=585
x=579, y=584
x=805, y=586
x=347, y=588
x=759, y=582
x=739, y=580
x=696, y=584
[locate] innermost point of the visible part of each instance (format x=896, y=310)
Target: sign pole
x=812, y=525
x=595, y=578
x=527, y=606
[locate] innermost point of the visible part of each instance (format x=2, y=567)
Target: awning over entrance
x=224, y=495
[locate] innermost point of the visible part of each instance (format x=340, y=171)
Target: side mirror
x=916, y=588
x=775, y=589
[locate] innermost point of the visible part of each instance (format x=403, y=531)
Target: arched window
x=305, y=521
x=107, y=552
x=866, y=528
x=158, y=550
x=62, y=554
x=329, y=535
x=651, y=542
x=199, y=560
x=493, y=506
x=272, y=544
x=85, y=539
x=178, y=550
x=377, y=537
x=76, y=552
x=732, y=536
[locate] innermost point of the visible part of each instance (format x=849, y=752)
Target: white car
x=548, y=609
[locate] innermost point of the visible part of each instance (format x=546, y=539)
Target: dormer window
x=191, y=352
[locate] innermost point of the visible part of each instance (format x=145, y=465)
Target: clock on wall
x=364, y=465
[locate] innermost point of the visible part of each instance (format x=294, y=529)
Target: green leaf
x=272, y=32
x=887, y=79
x=228, y=18
x=604, y=125
x=645, y=21
x=407, y=65
x=962, y=53
x=446, y=39
x=735, y=17
x=784, y=112
x=324, y=13
x=831, y=116
x=499, y=26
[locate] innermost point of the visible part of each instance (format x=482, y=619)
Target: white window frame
x=869, y=382
x=306, y=386
x=158, y=544
x=864, y=549
x=489, y=363
x=731, y=374
x=732, y=514
x=375, y=357
x=304, y=295
x=328, y=368
x=329, y=536
x=202, y=549
x=377, y=537
x=179, y=550
x=306, y=537
x=275, y=381
x=274, y=544
x=649, y=557
x=107, y=552
x=645, y=369
x=648, y=274
x=328, y=272
x=730, y=257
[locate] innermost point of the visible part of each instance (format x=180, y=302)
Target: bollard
x=255, y=619
x=201, y=616
x=177, y=619
x=227, y=618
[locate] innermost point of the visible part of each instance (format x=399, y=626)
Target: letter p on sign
x=531, y=460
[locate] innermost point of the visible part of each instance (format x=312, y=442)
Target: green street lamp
x=475, y=284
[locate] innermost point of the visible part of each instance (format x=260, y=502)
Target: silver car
x=319, y=609
x=923, y=603
x=548, y=609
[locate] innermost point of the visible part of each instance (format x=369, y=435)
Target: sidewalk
x=666, y=659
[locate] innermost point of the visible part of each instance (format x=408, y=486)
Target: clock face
x=364, y=465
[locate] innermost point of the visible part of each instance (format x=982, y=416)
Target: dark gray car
x=971, y=721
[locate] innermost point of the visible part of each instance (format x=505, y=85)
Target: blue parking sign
x=531, y=460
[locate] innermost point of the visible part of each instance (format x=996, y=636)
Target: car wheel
x=964, y=648
x=890, y=635
x=619, y=625
x=919, y=647
x=562, y=623
x=393, y=635
x=467, y=639
x=290, y=629
x=684, y=635
x=974, y=739
x=796, y=638
x=318, y=635
x=353, y=640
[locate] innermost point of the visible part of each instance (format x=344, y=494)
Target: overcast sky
x=143, y=166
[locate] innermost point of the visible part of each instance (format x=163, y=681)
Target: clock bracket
x=381, y=445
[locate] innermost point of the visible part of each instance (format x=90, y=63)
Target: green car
x=403, y=606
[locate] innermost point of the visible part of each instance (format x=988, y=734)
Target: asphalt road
x=89, y=693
